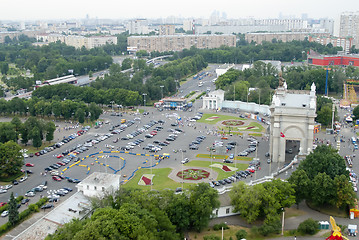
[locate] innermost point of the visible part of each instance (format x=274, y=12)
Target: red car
x=61, y=163
x=37, y=154
x=56, y=178
x=29, y=165
x=59, y=156
x=250, y=170
x=2, y=204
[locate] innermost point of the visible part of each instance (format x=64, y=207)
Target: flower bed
x=232, y=123
x=146, y=179
x=224, y=167
x=193, y=174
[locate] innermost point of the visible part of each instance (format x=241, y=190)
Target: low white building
x=226, y=208
x=223, y=69
x=97, y=184
x=213, y=100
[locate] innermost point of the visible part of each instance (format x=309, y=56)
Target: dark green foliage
x=240, y=234
x=211, y=237
x=219, y=226
x=308, y=226
x=11, y=159
x=269, y=227
x=13, y=211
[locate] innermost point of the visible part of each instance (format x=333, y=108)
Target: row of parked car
x=252, y=147
x=194, y=145
x=253, y=165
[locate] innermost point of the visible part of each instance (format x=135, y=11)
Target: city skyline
x=23, y=10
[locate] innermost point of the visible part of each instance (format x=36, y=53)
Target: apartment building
x=279, y=36
x=78, y=41
x=345, y=42
x=178, y=42
x=167, y=29
x=349, y=26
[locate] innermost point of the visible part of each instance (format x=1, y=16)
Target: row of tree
x=135, y=214
x=33, y=129
x=67, y=109
x=282, y=51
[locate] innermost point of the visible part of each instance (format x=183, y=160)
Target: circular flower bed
x=233, y=123
x=193, y=174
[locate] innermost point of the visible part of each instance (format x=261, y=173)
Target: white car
x=8, y=186
x=3, y=190
x=30, y=194
x=4, y=213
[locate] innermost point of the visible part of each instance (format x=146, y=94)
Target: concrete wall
x=246, y=107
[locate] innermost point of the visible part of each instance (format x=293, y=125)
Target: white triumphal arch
x=292, y=119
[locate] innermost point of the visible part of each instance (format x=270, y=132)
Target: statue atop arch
x=281, y=80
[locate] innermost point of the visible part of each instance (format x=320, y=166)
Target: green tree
x=7, y=132
x=13, y=211
x=50, y=129
x=356, y=112
x=241, y=234
x=324, y=115
x=323, y=190
x=11, y=159
x=36, y=137
x=4, y=67
x=301, y=183
x=80, y=115
x=345, y=195
x=308, y=226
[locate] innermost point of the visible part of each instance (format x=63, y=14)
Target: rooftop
x=98, y=178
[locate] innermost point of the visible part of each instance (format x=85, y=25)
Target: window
x=95, y=187
x=217, y=212
x=88, y=187
x=227, y=211
x=103, y=189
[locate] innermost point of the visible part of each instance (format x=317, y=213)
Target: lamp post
x=176, y=81
x=283, y=222
x=144, y=98
x=151, y=173
x=112, y=102
x=162, y=90
x=222, y=229
x=326, y=80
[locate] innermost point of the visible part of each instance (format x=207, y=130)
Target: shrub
x=33, y=208
x=270, y=227
x=308, y=226
x=24, y=214
x=42, y=201
x=19, y=198
x=211, y=237
x=4, y=228
x=219, y=226
x=240, y=234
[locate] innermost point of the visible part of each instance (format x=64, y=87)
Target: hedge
x=22, y=215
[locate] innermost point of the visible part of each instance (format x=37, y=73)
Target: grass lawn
x=31, y=149
x=329, y=210
x=220, y=118
x=160, y=180
x=255, y=134
x=223, y=156
x=221, y=174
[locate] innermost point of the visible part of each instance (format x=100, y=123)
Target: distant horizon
x=41, y=10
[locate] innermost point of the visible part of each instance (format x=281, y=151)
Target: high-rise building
x=138, y=26
x=167, y=29
x=349, y=26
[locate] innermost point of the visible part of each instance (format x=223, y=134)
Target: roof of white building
x=98, y=178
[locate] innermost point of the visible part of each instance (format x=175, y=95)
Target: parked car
x=56, y=178
x=4, y=213
x=186, y=160
x=46, y=206
x=227, y=161
x=29, y=165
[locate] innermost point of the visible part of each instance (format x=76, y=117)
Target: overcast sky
x=120, y=9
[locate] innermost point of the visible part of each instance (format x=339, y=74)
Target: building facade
x=166, y=29
x=98, y=184
x=333, y=60
x=349, y=26
x=179, y=42
x=279, y=36
x=78, y=41
x=345, y=42
x=292, y=119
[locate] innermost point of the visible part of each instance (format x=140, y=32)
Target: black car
x=222, y=182
x=216, y=183
x=227, y=180
x=227, y=161
x=15, y=182
x=49, y=205
x=25, y=200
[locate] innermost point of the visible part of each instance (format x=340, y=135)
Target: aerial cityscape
x=179, y=120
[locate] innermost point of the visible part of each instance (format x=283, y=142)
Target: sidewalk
x=24, y=225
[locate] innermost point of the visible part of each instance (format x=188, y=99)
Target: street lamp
x=176, y=81
x=162, y=90
x=112, y=102
x=144, y=98
x=222, y=229
x=283, y=221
